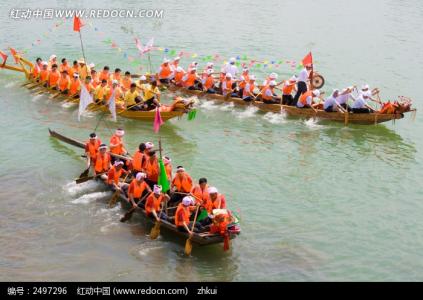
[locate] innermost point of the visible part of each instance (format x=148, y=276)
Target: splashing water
x=227, y=107
x=76, y=189
x=312, y=123
x=68, y=104
x=248, y=113
x=87, y=198
x=209, y=105
x=275, y=118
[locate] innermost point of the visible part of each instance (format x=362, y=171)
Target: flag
x=138, y=44
x=157, y=121
x=163, y=181
x=77, y=23
x=4, y=56
x=192, y=114
x=85, y=100
x=308, y=59
x=112, y=106
x=14, y=53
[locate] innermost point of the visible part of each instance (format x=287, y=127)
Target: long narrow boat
x=201, y=239
x=365, y=119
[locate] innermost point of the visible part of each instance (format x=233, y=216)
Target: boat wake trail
x=87, y=198
x=312, y=123
x=74, y=189
x=209, y=105
x=275, y=118
x=227, y=107
x=248, y=113
x=68, y=104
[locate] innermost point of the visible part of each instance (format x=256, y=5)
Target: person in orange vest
x=105, y=74
x=53, y=77
x=116, y=143
x=192, y=81
x=84, y=70
x=288, y=87
x=114, y=175
x=37, y=68
x=152, y=168
x=181, y=184
x=43, y=76
x=75, y=86
x=178, y=76
x=244, y=79
x=137, y=189
x=217, y=200
x=94, y=79
x=138, y=159
x=155, y=203
x=52, y=61
x=165, y=72
x=115, y=88
x=228, y=86
x=183, y=215
x=248, y=90
x=74, y=69
x=101, y=92
x=168, y=167
x=126, y=81
x=91, y=149
x=268, y=94
x=64, y=66
x=102, y=162
x=208, y=82
x=115, y=76
x=64, y=83
x=201, y=192
x=306, y=99
x=88, y=85
x=175, y=64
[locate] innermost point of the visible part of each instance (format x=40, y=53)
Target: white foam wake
x=247, y=113
x=87, y=198
x=275, y=118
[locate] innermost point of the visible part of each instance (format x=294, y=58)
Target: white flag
x=85, y=99
x=112, y=106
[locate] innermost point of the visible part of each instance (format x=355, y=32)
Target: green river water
x=317, y=201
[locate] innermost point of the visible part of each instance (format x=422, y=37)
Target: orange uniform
x=102, y=162
x=303, y=97
x=104, y=75
x=136, y=189
x=153, y=202
x=202, y=197
x=64, y=83
x=165, y=71
x=218, y=203
x=190, y=80
x=152, y=169
x=138, y=161
x=64, y=67
x=73, y=70
x=53, y=78
x=168, y=169
x=183, y=183
x=75, y=86
x=116, y=140
x=92, y=148
x=209, y=83
x=287, y=89
x=44, y=75
x=126, y=83
x=113, y=175
x=182, y=215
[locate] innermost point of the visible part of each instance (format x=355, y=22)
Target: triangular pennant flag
x=157, y=120
x=308, y=59
x=77, y=23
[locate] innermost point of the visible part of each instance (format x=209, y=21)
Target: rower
x=64, y=66
x=168, y=167
x=88, y=85
x=192, y=65
x=343, y=97
x=53, y=77
x=183, y=214
x=181, y=183
x=272, y=77
x=64, y=83
x=115, y=76
x=138, y=159
x=231, y=68
x=175, y=64
x=201, y=192
x=154, y=203
x=148, y=147
x=126, y=81
x=302, y=82
x=331, y=104
x=209, y=66
x=227, y=86
x=244, y=79
x=75, y=86
x=114, y=175
x=91, y=148
x=84, y=70
x=165, y=72
x=191, y=80
x=117, y=91
x=151, y=98
x=101, y=91
x=37, y=68
x=360, y=105
x=138, y=188
x=91, y=66
x=306, y=99
x=268, y=94
x=248, y=91
x=116, y=143
x=74, y=69
x=152, y=168
x=94, y=79
x=287, y=88
x=102, y=162
x=217, y=200
x=52, y=61
x=104, y=75
x=208, y=82
x=179, y=75
x=43, y=76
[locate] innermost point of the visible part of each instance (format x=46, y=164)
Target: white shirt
x=308, y=100
x=303, y=76
x=231, y=69
x=330, y=101
x=359, y=102
x=342, y=99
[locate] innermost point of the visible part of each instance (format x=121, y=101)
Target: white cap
x=210, y=64
x=316, y=93
x=210, y=71
x=120, y=132
x=157, y=189
x=53, y=56
x=179, y=69
x=252, y=77
x=91, y=65
x=165, y=60
x=149, y=145
x=229, y=75
x=212, y=190
x=364, y=87
x=273, y=76
x=177, y=58
x=166, y=160
x=81, y=61
x=187, y=201
x=143, y=77
x=232, y=60
x=272, y=83
x=114, y=81
x=180, y=169
x=44, y=63
x=102, y=146
x=194, y=63
x=140, y=175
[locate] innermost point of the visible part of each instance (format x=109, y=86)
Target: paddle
x=85, y=173
x=188, y=244
x=130, y=212
x=155, y=231
x=84, y=179
x=55, y=95
x=116, y=194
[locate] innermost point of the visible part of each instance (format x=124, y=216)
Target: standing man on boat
x=102, y=162
x=302, y=82
x=231, y=68
x=287, y=89
x=138, y=188
x=91, y=149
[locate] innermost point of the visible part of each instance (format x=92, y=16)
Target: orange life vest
x=178, y=77
x=152, y=169
x=63, y=67
x=92, y=149
x=53, y=78
x=135, y=189
x=190, y=80
x=183, y=184
x=165, y=71
x=103, y=75
x=203, y=195
x=246, y=92
x=153, y=202
x=113, y=175
x=287, y=89
x=36, y=71
x=74, y=87
x=64, y=83
x=227, y=85
x=168, y=169
x=263, y=94
x=44, y=75
x=138, y=161
x=182, y=215
x=303, y=97
x=89, y=87
x=218, y=203
x=117, y=149
x=126, y=83
x=102, y=162
x=209, y=82
x=244, y=82
x=73, y=70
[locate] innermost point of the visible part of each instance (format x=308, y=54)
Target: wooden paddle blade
x=83, y=179
x=155, y=231
x=188, y=247
x=85, y=173
x=113, y=200
x=128, y=215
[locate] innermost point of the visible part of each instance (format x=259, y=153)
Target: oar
x=116, y=194
x=84, y=179
x=27, y=83
x=130, y=212
x=55, y=95
x=155, y=231
x=188, y=244
x=85, y=173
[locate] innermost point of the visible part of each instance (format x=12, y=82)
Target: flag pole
x=82, y=46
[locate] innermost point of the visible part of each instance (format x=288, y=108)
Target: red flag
x=14, y=53
x=77, y=24
x=157, y=120
x=4, y=56
x=308, y=59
